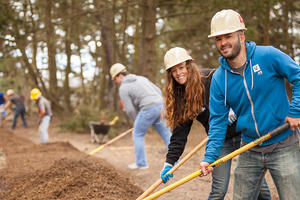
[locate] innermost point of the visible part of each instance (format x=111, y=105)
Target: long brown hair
x=183, y=102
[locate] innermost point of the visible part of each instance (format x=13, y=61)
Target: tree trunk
x=34, y=51
x=68, y=30
x=67, y=92
x=123, y=52
x=83, y=87
x=147, y=60
x=27, y=65
x=105, y=16
x=286, y=10
x=266, y=26
x=51, y=52
x=137, y=44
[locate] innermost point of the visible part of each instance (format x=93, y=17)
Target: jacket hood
x=250, y=46
x=129, y=78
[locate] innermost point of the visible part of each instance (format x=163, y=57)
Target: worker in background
x=142, y=102
x=19, y=107
x=45, y=114
x=2, y=109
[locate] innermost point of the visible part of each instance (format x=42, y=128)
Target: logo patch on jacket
x=256, y=68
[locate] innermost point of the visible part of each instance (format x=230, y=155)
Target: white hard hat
x=116, y=69
x=176, y=55
x=226, y=21
x=10, y=92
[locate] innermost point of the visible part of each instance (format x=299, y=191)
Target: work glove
x=231, y=117
x=163, y=174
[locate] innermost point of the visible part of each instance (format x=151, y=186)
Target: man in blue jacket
x=250, y=80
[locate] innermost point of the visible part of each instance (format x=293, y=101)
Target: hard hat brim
x=113, y=77
x=35, y=97
x=224, y=32
x=176, y=63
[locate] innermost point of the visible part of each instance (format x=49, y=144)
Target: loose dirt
x=58, y=170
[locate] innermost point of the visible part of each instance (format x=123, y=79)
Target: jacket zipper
x=251, y=102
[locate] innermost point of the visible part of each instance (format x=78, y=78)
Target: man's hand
x=294, y=122
x=205, y=169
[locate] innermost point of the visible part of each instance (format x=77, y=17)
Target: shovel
x=218, y=162
x=115, y=119
x=184, y=159
x=109, y=142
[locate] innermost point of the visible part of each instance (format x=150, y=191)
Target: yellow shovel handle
x=184, y=159
x=109, y=142
x=114, y=121
x=221, y=160
x=96, y=150
x=174, y=185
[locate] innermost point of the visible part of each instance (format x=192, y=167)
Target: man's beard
x=235, y=51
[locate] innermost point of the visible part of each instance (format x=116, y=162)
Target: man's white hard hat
x=226, y=21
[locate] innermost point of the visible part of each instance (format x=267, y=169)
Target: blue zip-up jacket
x=258, y=98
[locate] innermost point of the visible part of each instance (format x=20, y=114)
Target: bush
x=79, y=121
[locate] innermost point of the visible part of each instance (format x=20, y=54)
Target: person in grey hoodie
x=143, y=102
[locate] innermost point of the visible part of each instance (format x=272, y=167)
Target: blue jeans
x=283, y=165
x=144, y=119
x=43, y=129
x=19, y=110
x=221, y=174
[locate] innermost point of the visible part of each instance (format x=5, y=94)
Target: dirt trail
x=120, y=154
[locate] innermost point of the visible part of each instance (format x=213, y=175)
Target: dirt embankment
x=57, y=171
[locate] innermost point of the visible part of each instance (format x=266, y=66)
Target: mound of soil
x=57, y=171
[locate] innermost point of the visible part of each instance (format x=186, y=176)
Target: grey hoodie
x=138, y=93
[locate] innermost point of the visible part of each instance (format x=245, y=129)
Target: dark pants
x=19, y=110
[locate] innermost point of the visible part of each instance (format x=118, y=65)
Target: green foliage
x=74, y=124
x=5, y=84
x=79, y=122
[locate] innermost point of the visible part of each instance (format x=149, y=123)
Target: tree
x=35, y=34
x=105, y=16
x=51, y=50
x=147, y=59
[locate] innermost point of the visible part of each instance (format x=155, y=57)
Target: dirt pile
x=57, y=171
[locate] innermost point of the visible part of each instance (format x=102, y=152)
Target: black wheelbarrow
x=100, y=129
